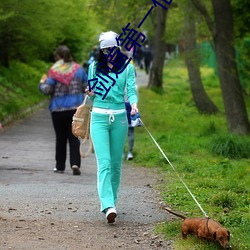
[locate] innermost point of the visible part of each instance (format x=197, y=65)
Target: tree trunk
x=159, y=49
x=235, y=109
x=201, y=99
x=223, y=37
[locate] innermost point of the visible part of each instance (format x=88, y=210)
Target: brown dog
x=204, y=229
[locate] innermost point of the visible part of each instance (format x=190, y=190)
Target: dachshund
x=204, y=229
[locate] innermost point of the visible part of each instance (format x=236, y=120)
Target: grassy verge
x=212, y=163
x=19, y=88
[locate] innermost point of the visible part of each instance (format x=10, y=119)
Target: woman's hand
x=90, y=93
x=43, y=79
x=134, y=109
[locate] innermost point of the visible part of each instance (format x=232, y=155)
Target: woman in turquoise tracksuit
x=109, y=123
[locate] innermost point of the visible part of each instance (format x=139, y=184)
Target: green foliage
x=224, y=200
x=120, y=13
x=241, y=17
x=219, y=183
x=210, y=129
x=19, y=87
x=175, y=19
x=28, y=33
x=242, y=35
x=243, y=60
x=170, y=230
x=231, y=146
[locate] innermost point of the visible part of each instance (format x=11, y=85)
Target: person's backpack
x=81, y=126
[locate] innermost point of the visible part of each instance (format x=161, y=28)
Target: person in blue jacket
x=65, y=83
x=109, y=124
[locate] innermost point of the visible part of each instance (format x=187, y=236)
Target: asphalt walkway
x=30, y=189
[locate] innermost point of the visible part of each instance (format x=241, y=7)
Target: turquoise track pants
x=108, y=136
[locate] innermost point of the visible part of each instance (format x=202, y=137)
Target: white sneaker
x=130, y=156
x=111, y=214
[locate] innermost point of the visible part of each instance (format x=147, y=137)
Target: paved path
x=141, y=78
x=31, y=191
x=26, y=163
x=27, y=160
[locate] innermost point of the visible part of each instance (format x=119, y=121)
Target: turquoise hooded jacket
x=123, y=82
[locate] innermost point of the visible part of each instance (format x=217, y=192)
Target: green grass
x=19, y=88
x=214, y=164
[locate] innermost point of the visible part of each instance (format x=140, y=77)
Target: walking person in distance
x=65, y=83
x=147, y=54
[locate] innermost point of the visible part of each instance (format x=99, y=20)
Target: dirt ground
x=40, y=209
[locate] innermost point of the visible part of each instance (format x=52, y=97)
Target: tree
x=159, y=49
x=242, y=33
x=223, y=37
x=28, y=33
x=116, y=14
x=159, y=43
x=23, y=33
x=134, y=14
x=201, y=99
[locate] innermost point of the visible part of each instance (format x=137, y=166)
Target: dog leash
x=174, y=170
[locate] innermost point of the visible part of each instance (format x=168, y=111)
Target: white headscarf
x=108, y=39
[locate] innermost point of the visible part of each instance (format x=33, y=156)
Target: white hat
x=108, y=39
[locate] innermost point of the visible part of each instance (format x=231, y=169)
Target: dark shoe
x=58, y=171
x=76, y=170
x=111, y=214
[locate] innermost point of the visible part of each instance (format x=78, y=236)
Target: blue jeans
x=108, y=139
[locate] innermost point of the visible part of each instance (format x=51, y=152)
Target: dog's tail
x=175, y=213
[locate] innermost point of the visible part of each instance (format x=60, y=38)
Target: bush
x=19, y=88
x=231, y=146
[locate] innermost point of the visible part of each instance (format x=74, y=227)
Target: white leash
x=174, y=169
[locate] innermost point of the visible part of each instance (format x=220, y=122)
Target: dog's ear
x=228, y=237
x=214, y=235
